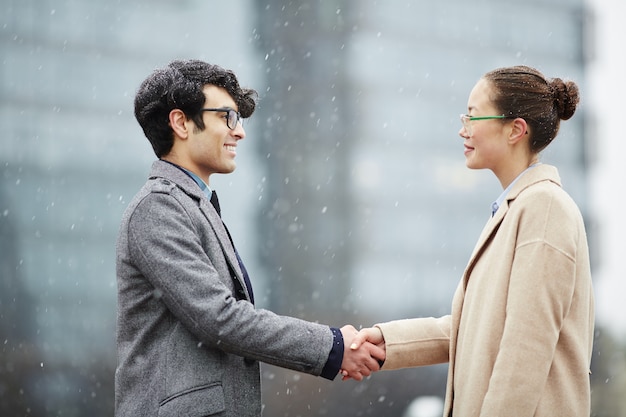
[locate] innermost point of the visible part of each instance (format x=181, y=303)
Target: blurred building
x=351, y=202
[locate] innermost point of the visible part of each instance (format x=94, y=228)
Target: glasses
x=466, y=119
x=232, y=116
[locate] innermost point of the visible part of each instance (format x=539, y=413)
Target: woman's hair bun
x=566, y=97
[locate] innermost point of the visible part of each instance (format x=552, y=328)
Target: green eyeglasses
x=232, y=116
x=466, y=119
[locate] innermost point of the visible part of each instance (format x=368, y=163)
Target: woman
x=519, y=336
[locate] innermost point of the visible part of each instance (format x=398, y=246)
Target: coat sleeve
x=165, y=245
x=416, y=342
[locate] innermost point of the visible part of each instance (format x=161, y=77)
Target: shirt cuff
x=335, y=357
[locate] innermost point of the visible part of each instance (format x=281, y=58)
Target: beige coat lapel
x=539, y=173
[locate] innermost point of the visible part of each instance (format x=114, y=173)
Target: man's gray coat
x=188, y=343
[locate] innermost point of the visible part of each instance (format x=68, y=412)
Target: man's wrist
x=335, y=357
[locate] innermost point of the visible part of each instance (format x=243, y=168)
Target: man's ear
x=519, y=130
x=178, y=122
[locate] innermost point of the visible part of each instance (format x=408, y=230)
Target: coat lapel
x=188, y=186
x=222, y=235
x=485, y=236
x=539, y=173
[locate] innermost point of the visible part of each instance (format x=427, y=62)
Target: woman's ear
x=519, y=130
x=178, y=123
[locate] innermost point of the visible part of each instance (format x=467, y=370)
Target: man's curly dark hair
x=179, y=86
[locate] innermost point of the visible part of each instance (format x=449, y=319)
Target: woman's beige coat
x=519, y=337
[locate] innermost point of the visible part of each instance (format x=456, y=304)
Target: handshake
x=364, y=352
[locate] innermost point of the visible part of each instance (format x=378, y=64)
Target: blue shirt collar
x=496, y=204
x=203, y=185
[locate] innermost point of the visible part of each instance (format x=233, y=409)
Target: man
x=189, y=337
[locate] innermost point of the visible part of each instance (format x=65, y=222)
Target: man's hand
x=361, y=355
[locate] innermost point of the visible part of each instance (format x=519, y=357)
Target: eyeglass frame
x=466, y=118
x=228, y=112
